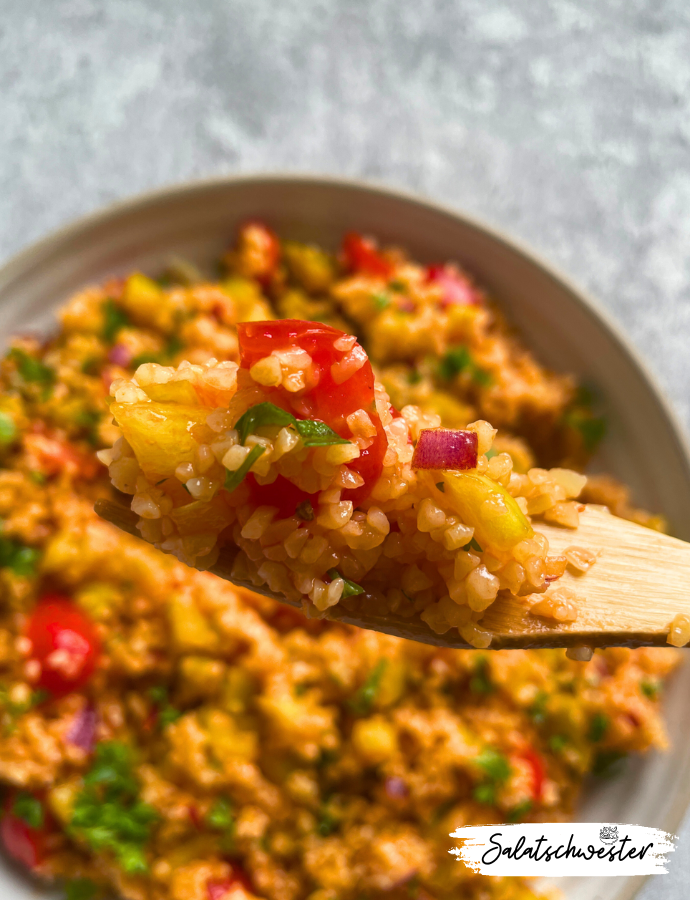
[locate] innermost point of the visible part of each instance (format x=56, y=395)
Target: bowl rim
x=56, y=239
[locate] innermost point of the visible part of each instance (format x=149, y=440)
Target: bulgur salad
x=167, y=735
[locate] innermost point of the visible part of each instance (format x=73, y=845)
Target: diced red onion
x=444, y=448
x=457, y=288
x=120, y=355
x=217, y=890
x=396, y=788
x=83, y=731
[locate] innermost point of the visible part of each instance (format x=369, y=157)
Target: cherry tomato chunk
x=281, y=493
x=538, y=772
x=65, y=642
x=326, y=398
x=361, y=255
x=218, y=889
x=259, y=249
x=22, y=842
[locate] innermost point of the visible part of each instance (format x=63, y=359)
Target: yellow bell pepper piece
x=172, y=392
x=160, y=434
x=467, y=493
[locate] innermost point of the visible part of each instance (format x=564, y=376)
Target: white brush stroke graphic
x=563, y=848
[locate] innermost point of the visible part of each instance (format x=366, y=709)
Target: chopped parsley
x=29, y=809
x=114, y=319
x=221, y=818
x=8, y=430
x=80, y=889
x=327, y=822
x=558, y=742
x=364, y=698
x=590, y=427
x=491, y=452
x=234, y=479
x=520, y=811
x=313, y=433
x=33, y=371
x=22, y=560
x=351, y=588
x=167, y=714
x=537, y=710
x=108, y=814
x=89, y=420
x=480, y=682
x=497, y=770
x=598, y=727
x=305, y=511
x=414, y=377
x=381, y=301
x=458, y=360
x=473, y=545
x=650, y=687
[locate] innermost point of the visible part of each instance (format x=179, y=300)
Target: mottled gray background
x=565, y=121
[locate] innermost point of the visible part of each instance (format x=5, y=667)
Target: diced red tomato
x=361, y=255
x=218, y=889
x=456, y=287
x=325, y=400
x=23, y=843
x=65, y=642
x=281, y=493
x=52, y=455
x=538, y=772
x=259, y=249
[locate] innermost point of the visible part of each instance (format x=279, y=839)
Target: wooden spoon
x=629, y=597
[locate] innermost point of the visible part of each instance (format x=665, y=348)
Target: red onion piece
x=120, y=355
x=217, y=890
x=83, y=731
x=456, y=287
x=444, y=448
x=396, y=788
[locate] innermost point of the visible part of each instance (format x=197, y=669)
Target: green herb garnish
x=32, y=370
x=473, y=545
x=167, y=714
x=590, y=427
x=114, y=319
x=108, y=814
x=414, y=377
x=497, y=770
x=305, y=511
x=327, y=822
x=313, y=433
x=381, y=301
x=29, y=809
x=22, y=560
x=480, y=682
x=598, y=727
x=558, y=742
x=538, y=708
x=520, y=811
x=441, y=485
x=458, y=360
x=351, y=588
x=8, y=430
x=494, y=764
x=80, y=889
x=234, y=479
x=364, y=698
x=650, y=687
x=221, y=818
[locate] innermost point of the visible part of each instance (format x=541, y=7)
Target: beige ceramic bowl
x=567, y=331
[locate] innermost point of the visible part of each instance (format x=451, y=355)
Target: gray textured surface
x=567, y=122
